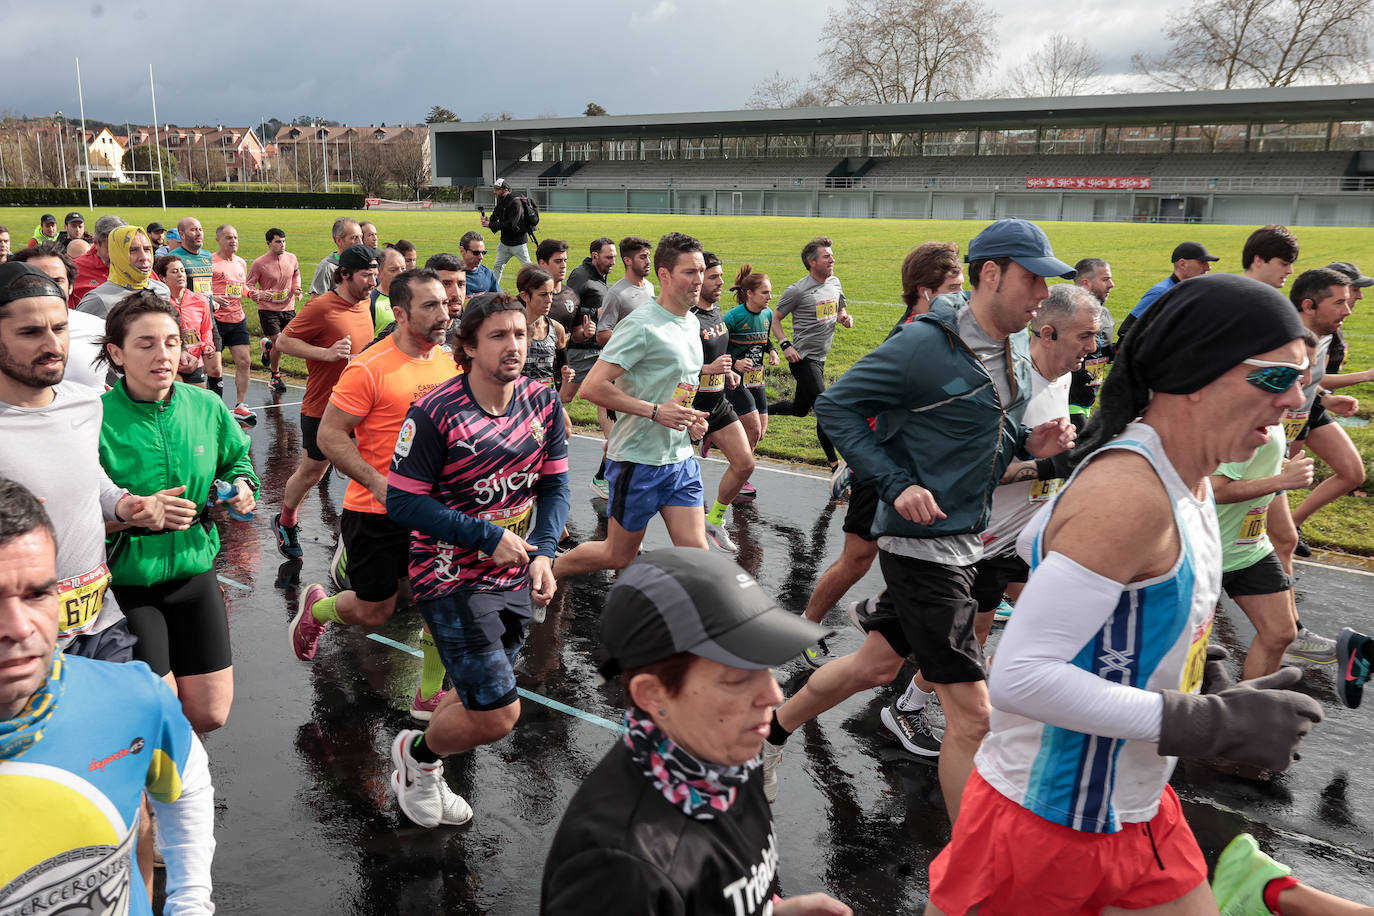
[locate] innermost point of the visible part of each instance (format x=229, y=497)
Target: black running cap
x=684, y=599
x=358, y=257
x=1350, y=270
x=1192, y=251
x=11, y=275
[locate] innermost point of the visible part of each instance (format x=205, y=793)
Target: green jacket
x=191, y=438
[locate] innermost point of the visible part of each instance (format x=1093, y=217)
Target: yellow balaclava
x=121, y=271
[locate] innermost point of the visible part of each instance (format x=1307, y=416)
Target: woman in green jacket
x=157, y=429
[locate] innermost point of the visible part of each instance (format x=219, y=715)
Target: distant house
x=338, y=143
x=227, y=154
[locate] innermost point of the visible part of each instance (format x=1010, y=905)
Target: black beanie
x=1190, y=337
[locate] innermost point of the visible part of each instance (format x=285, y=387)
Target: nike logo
x=78, y=423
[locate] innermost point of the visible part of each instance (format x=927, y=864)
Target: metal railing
x=1201, y=184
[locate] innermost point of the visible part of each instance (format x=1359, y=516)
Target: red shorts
x=1004, y=859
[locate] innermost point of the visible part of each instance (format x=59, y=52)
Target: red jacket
x=90, y=273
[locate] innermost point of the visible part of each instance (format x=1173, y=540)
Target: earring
x=663, y=712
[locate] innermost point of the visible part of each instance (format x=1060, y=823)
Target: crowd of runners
x=1004, y=456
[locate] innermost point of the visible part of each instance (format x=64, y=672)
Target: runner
x=1096, y=683
x=1065, y=330
x=84, y=332
x=547, y=339
x=723, y=427
x=480, y=474
x=648, y=374
x=326, y=333
x=73, y=775
x=358, y=435
x=588, y=281
x=274, y=282
x=200, y=273
x=197, y=324
x=748, y=324
x=166, y=582
x=816, y=304
x=930, y=270
x=964, y=371
x=229, y=277
x=390, y=264
x=346, y=233
x=131, y=263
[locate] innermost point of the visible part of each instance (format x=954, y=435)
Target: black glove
x=1256, y=722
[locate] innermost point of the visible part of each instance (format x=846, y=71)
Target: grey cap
x=1353, y=272
x=684, y=599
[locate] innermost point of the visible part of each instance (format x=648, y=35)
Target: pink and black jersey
x=484, y=467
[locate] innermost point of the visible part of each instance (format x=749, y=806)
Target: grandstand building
x=1303, y=156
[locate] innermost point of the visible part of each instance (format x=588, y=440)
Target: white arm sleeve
x=1063, y=607
x=186, y=836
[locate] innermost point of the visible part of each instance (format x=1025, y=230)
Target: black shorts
x=115, y=643
x=232, y=333
x=748, y=400
x=927, y=614
x=196, y=377
x=719, y=412
x=1265, y=576
x=310, y=432
x=992, y=575
x=1315, y=420
x=214, y=336
x=863, y=505
x=378, y=553
x=273, y=323
x=181, y=625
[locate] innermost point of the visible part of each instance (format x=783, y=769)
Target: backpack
x=529, y=213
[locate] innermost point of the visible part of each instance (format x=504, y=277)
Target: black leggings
x=181, y=625
x=810, y=375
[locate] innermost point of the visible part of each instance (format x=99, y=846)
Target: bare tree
x=407, y=165
x=1232, y=44
x=371, y=168
x=778, y=91
x=1061, y=66
x=894, y=51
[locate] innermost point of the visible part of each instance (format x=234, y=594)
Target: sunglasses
x=1272, y=376
x=477, y=251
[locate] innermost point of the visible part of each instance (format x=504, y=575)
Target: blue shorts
x=639, y=491
x=478, y=634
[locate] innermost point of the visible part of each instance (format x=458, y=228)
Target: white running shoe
x=839, y=480
x=772, y=756
x=420, y=788
x=1310, y=648
x=716, y=535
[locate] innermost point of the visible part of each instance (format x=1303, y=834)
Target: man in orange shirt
x=326, y=333
x=358, y=435
x=274, y=282
x=229, y=277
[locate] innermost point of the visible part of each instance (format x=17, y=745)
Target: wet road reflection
x=306, y=825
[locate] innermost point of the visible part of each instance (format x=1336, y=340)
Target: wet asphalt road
x=306, y=824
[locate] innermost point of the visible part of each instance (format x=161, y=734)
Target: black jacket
x=622, y=849
x=506, y=218
x=592, y=290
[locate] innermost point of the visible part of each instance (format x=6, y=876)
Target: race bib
x=753, y=378
x=546, y=382
x=684, y=393
x=713, y=381
x=1253, y=526
x=1197, y=660
x=515, y=520
x=827, y=309
x=233, y=290
x=1293, y=422
x=202, y=285
x=281, y=295
x=1042, y=491
x=1097, y=369
x=80, y=598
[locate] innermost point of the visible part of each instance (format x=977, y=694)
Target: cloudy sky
x=237, y=64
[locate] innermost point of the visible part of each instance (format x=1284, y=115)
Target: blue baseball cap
x=1023, y=242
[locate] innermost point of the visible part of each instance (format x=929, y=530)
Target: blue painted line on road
x=228, y=581
x=530, y=695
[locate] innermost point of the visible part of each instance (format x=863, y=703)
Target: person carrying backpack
x=515, y=218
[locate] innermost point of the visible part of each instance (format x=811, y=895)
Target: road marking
x=276, y=406
x=1332, y=566
x=228, y=581
x=526, y=694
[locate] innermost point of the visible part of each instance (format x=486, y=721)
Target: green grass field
x=868, y=257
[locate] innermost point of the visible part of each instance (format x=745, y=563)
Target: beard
x=29, y=375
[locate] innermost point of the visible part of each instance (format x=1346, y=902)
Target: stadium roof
x=1291, y=104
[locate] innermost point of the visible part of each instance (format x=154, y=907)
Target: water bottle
x=224, y=491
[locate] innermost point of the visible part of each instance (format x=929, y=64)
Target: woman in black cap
x=673, y=819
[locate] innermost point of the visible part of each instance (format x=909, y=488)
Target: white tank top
x=1155, y=639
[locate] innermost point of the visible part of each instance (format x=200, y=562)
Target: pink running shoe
x=305, y=630
x=423, y=710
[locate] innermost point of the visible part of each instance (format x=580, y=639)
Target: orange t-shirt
x=323, y=322
x=229, y=276
x=379, y=386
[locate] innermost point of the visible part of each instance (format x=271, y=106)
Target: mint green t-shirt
x=1244, y=525
x=661, y=355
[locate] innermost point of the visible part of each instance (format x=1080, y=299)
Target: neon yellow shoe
x=1241, y=875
